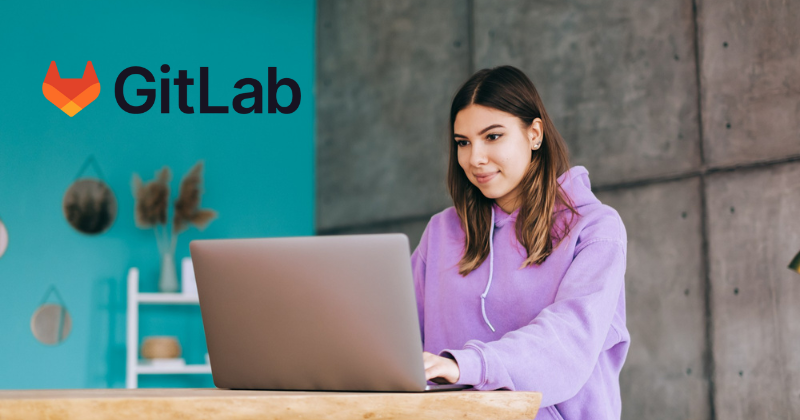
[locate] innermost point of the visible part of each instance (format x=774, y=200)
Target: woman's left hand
x=440, y=370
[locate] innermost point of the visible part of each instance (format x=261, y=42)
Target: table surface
x=155, y=404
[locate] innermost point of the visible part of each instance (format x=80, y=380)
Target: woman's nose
x=478, y=156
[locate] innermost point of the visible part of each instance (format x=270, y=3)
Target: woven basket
x=161, y=347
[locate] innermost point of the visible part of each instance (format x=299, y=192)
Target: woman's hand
x=440, y=370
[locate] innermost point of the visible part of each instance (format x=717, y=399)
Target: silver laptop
x=333, y=313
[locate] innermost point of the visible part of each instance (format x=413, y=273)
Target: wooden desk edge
x=156, y=404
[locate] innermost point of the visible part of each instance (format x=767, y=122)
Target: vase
x=168, y=280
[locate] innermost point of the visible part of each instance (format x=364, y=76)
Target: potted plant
x=151, y=212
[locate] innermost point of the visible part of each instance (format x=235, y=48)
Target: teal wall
x=259, y=172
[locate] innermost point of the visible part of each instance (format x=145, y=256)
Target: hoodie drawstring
x=491, y=267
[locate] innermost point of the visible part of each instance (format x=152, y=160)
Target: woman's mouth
x=482, y=179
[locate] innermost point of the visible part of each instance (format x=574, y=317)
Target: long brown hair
x=508, y=89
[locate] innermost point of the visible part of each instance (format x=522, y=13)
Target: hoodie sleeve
x=557, y=351
x=418, y=270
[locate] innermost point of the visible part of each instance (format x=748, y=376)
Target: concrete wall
x=687, y=116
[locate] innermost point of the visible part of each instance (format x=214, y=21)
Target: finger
x=429, y=359
x=429, y=364
x=437, y=370
x=435, y=374
x=431, y=372
x=445, y=369
x=431, y=368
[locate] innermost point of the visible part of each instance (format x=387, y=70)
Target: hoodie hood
x=576, y=186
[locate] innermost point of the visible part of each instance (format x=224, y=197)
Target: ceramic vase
x=168, y=280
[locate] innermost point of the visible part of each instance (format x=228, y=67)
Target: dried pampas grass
x=186, y=207
x=151, y=199
x=152, y=205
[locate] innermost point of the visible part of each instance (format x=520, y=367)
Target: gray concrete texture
x=754, y=231
x=386, y=73
x=750, y=68
x=711, y=305
x=664, y=375
x=616, y=76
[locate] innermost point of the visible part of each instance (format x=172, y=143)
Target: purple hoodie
x=558, y=328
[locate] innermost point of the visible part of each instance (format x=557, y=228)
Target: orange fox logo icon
x=71, y=95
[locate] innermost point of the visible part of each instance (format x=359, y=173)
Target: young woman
x=520, y=285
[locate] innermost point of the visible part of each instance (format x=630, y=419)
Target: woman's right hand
x=440, y=370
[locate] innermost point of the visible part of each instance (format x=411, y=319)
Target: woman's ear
x=535, y=134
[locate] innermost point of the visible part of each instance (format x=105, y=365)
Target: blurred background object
x=51, y=323
x=89, y=204
x=151, y=210
x=158, y=347
x=188, y=282
x=3, y=238
x=795, y=264
x=686, y=115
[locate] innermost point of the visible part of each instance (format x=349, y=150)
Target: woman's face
x=494, y=150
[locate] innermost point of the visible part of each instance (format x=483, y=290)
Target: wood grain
x=218, y=404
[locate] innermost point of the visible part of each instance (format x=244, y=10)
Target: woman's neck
x=508, y=206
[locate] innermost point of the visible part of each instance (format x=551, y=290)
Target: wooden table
x=219, y=404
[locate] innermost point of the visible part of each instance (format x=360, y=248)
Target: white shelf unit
x=134, y=368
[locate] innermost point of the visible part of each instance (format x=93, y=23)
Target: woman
x=520, y=285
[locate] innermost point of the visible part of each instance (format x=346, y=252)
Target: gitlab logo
x=71, y=95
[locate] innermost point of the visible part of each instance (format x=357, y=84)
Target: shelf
x=166, y=298
x=133, y=365
x=144, y=369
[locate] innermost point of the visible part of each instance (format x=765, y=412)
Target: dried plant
x=186, y=207
x=151, y=199
x=152, y=203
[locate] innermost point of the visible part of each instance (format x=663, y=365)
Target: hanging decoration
x=51, y=323
x=89, y=204
x=3, y=238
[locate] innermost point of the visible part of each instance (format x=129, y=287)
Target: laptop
x=314, y=313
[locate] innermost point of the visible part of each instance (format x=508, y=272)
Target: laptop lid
x=333, y=313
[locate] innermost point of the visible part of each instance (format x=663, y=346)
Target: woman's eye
x=461, y=143
x=495, y=138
